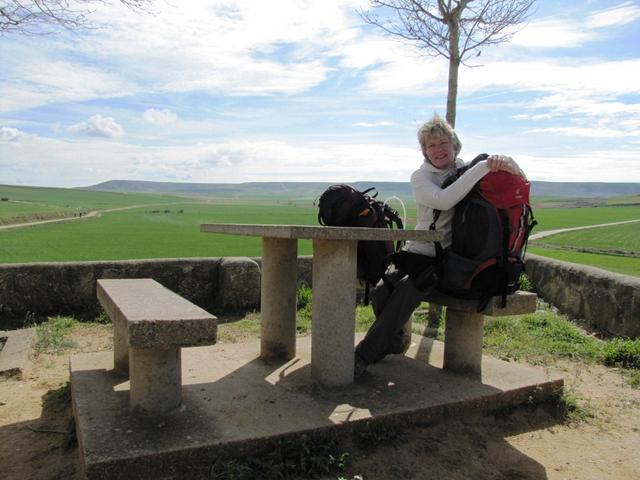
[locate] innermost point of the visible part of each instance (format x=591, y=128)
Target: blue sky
x=294, y=90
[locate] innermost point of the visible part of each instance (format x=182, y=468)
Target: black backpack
x=344, y=206
x=490, y=229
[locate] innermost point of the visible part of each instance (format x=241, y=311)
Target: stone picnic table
x=334, y=290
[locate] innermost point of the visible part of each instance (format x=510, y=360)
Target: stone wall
x=219, y=285
x=607, y=301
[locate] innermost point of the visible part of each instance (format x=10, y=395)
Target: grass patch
x=102, y=318
x=303, y=457
x=613, y=263
x=573, y=408
x=622, y=352
x=51, y=335
x=632, y=376
x=544, y=336
x=424, y=326
x=364, y=314
x=538, y=337
x=304, y=298
x=524, y=283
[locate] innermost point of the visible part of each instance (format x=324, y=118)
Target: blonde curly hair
x=437, y=127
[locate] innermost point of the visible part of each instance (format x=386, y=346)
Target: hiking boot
x=359, y=366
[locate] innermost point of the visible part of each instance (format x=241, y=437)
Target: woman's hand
x=505, y=163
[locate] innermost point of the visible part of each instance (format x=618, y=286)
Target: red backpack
x=490, y=229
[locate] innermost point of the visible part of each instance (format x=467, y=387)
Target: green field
x=615, y=248
x=139, y=233
x=614, y=239
x=23, y=204
x=554, y=218
x=564, y=217
x=168, y=227
x=613, y=263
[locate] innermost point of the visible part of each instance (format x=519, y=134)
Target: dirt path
x=548, y=233
x=91, y=214
x=526, y=443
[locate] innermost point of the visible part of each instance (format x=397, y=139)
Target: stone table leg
x=120, y=347
x=463, y=342
x=278, y=298
x=333, y=316
x=155, y=379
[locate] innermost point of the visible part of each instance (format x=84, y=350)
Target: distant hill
x=244, y=190
x=584, y=189
x=313, y=189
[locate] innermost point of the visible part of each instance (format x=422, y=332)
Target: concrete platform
x=14, y=356
x=234, y=403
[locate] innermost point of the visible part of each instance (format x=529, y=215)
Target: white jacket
x=425, y=183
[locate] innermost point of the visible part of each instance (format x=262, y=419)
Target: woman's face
x=440, y=152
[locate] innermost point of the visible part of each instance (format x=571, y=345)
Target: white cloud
x=98, y=126
x=43, y=161
x=41, y=82
x=374, y=124
x=243, y=47
x=614, y=165
x=561, y=76
x=622, y=14
x=368, y=51
x=9, y=134
x=576, y=31
x=160, y=117
x=552, y=33
x=586, y=132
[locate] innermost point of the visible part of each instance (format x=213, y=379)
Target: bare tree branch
x=453, y=29
x=33, y=17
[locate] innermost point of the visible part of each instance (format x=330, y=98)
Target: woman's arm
x=431, y=194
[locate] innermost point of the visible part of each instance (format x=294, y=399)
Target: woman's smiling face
x=440, y=152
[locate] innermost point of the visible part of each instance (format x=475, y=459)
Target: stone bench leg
x=463, y=342
x=120, y=347
x=278, y=298
x=333, y=316
x=155, y=379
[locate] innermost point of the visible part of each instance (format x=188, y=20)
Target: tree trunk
x=452, y=93
x=454, y=64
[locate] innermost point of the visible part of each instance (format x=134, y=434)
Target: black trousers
x=393, y=310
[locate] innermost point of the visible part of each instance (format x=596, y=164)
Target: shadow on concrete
x=237, y=405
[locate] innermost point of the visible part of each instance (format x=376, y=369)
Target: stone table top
x=321, y=232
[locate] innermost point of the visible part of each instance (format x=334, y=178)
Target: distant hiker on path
x=415, y=270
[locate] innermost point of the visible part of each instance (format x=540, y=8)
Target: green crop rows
x=168, y=227
x=613, y=263
x=149, y=232
x=554, y=218
x=22, y=204
x=618, y=238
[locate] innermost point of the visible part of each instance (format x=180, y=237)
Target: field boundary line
x=548, y=233
x=593, y=250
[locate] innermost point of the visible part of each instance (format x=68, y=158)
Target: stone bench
x=463, y=335
x=151, y=324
